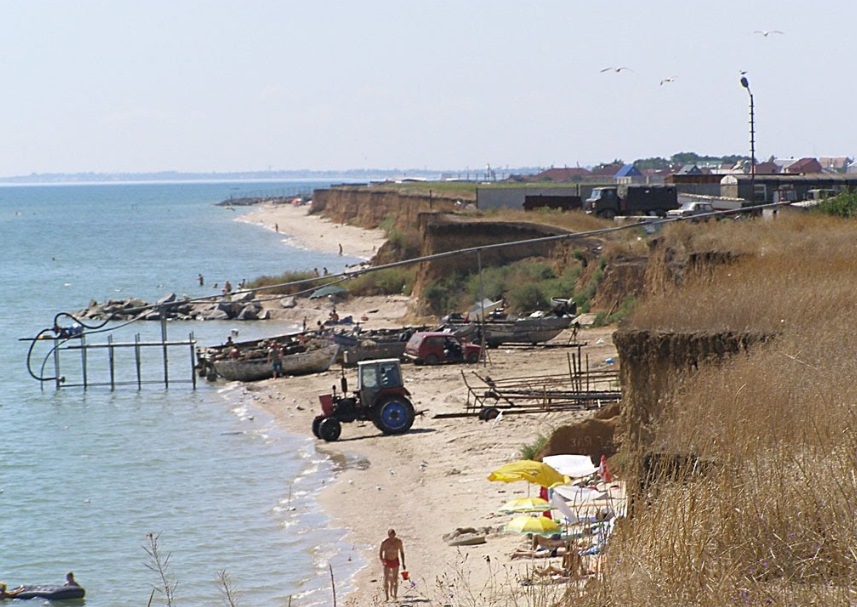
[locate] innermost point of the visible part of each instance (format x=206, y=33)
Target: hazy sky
x=212, y=85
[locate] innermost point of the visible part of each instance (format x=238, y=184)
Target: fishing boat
x=529, y=330
x=313, y=357
x=373, y=344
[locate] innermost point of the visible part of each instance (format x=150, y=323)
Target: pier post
x=164, y=341
x=137, y=361
x=192, y=359
x=57, y=379
x=111, y=363
x=83, y=359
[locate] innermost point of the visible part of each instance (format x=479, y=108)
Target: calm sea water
x=85, y=475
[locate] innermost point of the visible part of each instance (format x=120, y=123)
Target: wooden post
x=57, y=363
x=164, y=342
x=83, y=358
x=111, y=363
x=192, y=360
x=138, y=362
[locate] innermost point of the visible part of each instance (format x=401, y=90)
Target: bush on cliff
x=392, y=281
x=285, y=283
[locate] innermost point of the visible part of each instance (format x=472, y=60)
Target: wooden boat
x=317, y=356
x=529, y=330
x=373, y=344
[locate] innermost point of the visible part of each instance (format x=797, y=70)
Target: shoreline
x=315, y=232
x=432, y=480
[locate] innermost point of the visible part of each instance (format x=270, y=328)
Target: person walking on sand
x=391, y=549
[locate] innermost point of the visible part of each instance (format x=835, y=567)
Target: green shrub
x=286, y=282
x=530, y=450
x=404, y=244
x=392, y=281
x=841, y=205
x=527, y=296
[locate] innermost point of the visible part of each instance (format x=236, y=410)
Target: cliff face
x=444, y=232
x=369, y=207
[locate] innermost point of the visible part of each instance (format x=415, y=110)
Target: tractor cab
x=377, y=376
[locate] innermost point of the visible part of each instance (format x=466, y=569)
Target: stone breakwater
x=241, y=305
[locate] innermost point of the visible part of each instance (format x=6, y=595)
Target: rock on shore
x=242, y=305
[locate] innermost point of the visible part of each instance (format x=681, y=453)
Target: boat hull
x=521, y=331
x=314, y=360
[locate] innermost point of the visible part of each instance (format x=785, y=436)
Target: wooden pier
x=115, y=363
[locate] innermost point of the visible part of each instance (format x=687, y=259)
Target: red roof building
x=562, y=175
x=803, y=166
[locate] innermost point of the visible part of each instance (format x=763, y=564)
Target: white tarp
x=573, y=466
x=578, y=496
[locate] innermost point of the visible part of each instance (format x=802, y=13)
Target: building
x=804, y=166
x=563, y=175
x=628, y=174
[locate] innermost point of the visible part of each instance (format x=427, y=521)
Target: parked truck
x=609, y=201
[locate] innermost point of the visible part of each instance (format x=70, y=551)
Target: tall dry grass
x=794, y=270
x=771, y=520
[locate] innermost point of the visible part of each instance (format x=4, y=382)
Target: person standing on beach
x=276, y=359
x=391, y=549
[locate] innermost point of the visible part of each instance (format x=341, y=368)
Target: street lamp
x=746, y=84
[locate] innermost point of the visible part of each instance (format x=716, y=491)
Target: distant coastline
x=176, y=176
x=351, y=175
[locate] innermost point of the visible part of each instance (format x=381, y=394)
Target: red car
x=434, y=348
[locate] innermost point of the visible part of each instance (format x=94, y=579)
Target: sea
x=87, y=474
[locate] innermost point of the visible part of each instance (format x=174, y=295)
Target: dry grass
x=791, y=271
x=575, y=221
x=771, y=521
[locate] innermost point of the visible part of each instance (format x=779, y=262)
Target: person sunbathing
x=540, y=553
x=571, y=567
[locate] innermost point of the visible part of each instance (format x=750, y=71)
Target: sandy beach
x=432, y=480
x=314, y=231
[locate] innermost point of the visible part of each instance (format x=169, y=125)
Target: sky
x=221, y=86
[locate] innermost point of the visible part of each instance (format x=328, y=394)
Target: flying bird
x=767, y=33
x=668, y=80
x=616, y=69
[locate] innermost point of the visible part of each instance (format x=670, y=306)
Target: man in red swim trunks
x=391, y=548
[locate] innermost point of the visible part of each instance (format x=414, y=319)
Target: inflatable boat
x=52, y=593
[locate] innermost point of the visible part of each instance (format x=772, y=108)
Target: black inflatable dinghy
x=52, y=593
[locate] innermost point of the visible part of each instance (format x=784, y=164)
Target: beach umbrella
x=539, y=525
x=537, y=473
x=328, y=290
x=526, y=504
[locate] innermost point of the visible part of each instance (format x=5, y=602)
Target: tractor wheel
x=472, y=358
x=329, y=429
x=394, y=415
x=316, y=422
x=431, y=359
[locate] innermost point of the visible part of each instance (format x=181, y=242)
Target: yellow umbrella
x=540, y=525
x=528, y=470
x=526, y=504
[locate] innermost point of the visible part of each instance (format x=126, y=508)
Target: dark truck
x=609, y=201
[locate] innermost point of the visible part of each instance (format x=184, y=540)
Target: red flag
x=603, y=472
x=543, y=493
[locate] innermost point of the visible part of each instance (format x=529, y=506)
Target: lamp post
x=746, y=84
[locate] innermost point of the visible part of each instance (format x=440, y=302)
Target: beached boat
x=316, y=356
x=373, y=344
x=529, y=330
